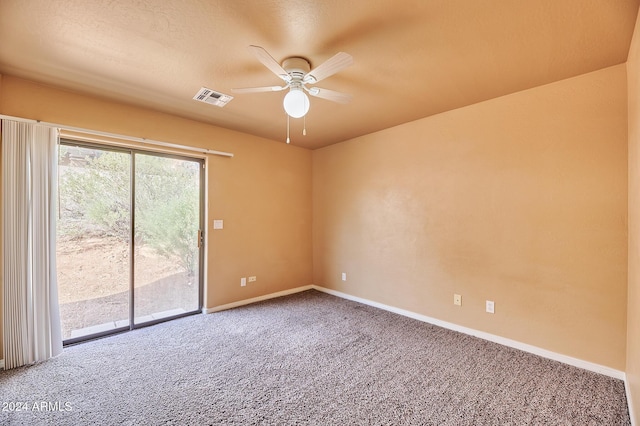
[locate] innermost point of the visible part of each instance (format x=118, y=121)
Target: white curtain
x=31, y=326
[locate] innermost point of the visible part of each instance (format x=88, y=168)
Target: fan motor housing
x=296, y=67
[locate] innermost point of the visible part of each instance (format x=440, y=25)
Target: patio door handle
x=200, y=238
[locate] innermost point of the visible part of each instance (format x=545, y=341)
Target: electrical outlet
x=344, y=276
x=457, y=299
x=243, y=282
x=252, y=279
x=491, y=306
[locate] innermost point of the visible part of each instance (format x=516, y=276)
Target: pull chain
x=304, y=117
x=288, y=140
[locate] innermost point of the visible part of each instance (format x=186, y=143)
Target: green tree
x=95, y=197
x=94, y=193
x=167, y=207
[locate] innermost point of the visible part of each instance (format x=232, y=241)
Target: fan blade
x=259, y=89
x=329, y=67
x=268, y=61
x=330, y=95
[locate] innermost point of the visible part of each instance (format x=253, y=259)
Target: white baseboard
x=590, y=366
x=256, y=299
x=597, y=368
x=629, y=402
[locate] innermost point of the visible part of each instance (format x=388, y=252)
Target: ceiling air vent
x=212, y=97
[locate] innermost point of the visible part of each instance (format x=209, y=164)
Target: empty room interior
x=285, y=179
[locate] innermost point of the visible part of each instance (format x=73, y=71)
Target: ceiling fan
x=297, y=74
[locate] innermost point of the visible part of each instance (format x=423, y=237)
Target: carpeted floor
x=309, y=358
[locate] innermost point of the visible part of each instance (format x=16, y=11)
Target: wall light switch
x=243, y=282
x=344, y=276
x=218, y=224
x=252, y=279
x=491, y=307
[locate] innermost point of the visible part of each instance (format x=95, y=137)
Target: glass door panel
x=93, y=240
x=104, y=278
x=167, y=224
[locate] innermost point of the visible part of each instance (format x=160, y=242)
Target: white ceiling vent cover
x=212, y=97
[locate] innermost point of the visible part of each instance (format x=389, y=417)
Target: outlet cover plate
x=491, y=306
x=457, y=300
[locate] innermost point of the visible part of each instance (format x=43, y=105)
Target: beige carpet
x=304, y=359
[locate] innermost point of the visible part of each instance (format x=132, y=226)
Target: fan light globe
x=296, y=103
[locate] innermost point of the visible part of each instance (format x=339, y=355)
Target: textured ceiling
x=412, y=58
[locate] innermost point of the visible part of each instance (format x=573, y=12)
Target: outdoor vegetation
x=94, y=233
x=96, y=201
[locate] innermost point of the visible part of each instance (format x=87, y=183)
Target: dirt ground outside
x=93, y=282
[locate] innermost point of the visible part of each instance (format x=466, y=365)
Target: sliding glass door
x=129, y=249
x=93, y=240
x=167, y=247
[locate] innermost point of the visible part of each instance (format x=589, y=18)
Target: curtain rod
x=123, y=137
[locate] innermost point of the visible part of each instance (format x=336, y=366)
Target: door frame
x=201, y=247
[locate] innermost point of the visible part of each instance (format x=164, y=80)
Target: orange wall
x=263, y=193
x=633, y=319
x=2, y=244
x=521, y=200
